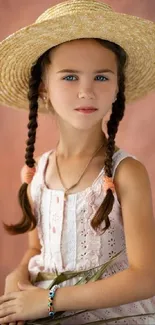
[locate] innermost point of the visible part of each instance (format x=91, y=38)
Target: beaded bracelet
x=50, y=300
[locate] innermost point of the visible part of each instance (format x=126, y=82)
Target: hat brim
x=20, y=50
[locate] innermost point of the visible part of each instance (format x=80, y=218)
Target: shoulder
x=130, y=175
x=37, y=159
x=43, y=157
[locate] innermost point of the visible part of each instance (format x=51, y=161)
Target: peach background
x=136, y=132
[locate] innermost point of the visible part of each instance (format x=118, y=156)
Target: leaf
x=103, y=268
x=83, y=280
x=59, y=278
x=99, y=272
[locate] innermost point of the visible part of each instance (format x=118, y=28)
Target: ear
x=42, y=90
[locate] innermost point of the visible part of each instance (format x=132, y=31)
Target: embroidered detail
x=54, y=230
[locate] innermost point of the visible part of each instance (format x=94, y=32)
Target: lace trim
x=68, y=240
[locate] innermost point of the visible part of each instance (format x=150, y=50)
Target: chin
x=83, y=126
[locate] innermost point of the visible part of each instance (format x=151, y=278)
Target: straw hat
x=70, y=20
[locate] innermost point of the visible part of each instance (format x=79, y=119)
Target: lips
x=86, y=109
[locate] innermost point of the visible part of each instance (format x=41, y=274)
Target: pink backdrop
x=136, y=133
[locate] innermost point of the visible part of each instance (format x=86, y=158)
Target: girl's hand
x=11, y=286
x=27, y=304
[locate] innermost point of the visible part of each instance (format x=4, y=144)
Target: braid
x=117, y=114
x=33, y=114
x=28, y=221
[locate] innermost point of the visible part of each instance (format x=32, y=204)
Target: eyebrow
x=76, y=71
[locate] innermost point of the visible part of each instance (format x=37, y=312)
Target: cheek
x=60, y=93
x=108, y=94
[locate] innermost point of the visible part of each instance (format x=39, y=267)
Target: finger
x=11, y=323
x=20, y=323
x=11, y=318
x=9, y=296
x=7, y=307
x=6, y=314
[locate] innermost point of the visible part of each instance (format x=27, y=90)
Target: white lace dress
x=70, y=244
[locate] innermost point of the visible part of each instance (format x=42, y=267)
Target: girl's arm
x=21, y=271
x=138, y=281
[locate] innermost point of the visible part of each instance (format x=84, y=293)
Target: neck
x=80, y=143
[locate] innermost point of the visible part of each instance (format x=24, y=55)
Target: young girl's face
x=82, y=85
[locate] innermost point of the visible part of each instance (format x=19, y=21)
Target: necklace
x=58, y=170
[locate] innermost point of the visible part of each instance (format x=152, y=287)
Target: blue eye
x=65, y=78
x=103, y=77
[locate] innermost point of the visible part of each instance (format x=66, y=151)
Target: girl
x=87, y=200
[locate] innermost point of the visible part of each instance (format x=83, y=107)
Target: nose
x=86, y=93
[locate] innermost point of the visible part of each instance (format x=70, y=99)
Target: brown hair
x=28, y=221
